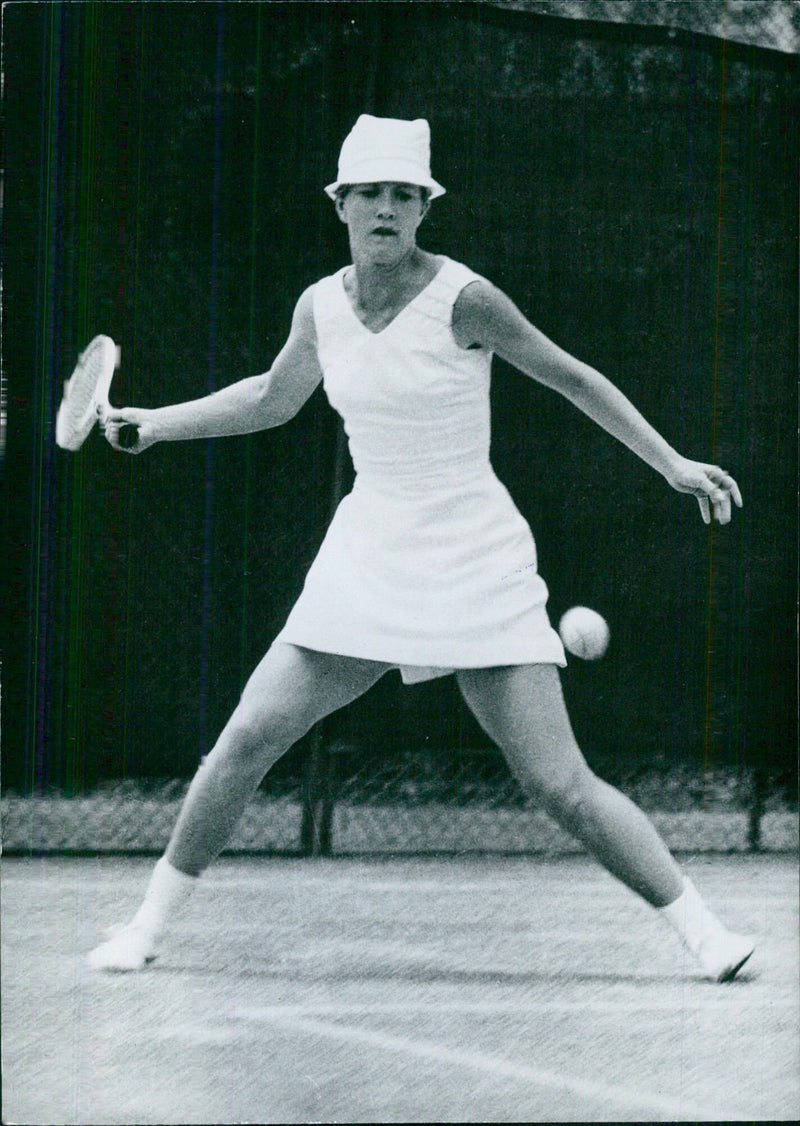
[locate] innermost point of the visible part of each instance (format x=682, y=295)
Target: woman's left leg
x=521, y=707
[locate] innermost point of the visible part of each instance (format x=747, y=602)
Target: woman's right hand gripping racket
x=85, y=398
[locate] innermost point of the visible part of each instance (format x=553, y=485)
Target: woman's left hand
x=713, y=487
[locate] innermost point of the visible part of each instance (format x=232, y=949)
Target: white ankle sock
x=690, y=917
x=166, y=894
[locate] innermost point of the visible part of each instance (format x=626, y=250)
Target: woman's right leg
x=290, y=691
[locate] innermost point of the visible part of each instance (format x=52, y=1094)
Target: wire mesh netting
x=440, y=801
x=768, y=23
x=129, y=820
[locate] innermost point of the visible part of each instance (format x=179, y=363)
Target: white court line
x=547, y=881
x=679, y=1109
x=479, y=883
x=354, y=883
x=290, y=880
x=441, y=887
x=435, y=952
x=529, y=1008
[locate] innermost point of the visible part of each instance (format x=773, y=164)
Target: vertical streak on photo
x=708, y=734
x=213, y=317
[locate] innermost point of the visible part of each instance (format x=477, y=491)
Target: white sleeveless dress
x=427, y=564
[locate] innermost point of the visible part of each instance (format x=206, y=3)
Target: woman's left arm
x=484, y=315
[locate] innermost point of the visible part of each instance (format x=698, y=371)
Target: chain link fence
x=443, y=801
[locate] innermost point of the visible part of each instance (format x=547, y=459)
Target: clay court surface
x=424, y=990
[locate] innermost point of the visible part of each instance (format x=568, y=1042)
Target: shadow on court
x=396, y=991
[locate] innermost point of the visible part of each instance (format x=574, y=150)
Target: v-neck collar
x=400, y=312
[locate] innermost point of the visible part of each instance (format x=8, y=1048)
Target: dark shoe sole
x=730, y=974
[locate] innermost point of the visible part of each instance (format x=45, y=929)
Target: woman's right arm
x=257, y=403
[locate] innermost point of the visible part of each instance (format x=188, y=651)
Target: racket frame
x=71, y=430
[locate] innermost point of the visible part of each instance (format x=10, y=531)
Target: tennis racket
x=85, y=398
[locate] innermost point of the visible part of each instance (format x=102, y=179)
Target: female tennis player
x=427, y=565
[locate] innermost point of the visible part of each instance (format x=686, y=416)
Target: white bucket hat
x=381, y=149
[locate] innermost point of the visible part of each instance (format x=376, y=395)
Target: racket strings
x=86, y=392
x=83, y=384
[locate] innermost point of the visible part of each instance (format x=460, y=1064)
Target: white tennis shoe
x=128, y=948
x=722, y=954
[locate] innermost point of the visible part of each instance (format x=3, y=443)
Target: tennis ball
x=584, y=632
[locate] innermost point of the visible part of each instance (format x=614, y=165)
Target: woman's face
x=382, y=219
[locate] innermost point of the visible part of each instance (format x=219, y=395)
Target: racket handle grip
x=128, y=435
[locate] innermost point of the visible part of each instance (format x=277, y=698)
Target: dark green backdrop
x=633, y=189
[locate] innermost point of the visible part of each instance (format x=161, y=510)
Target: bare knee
x=556, y=775
x=569, y=799
x=257, y=737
